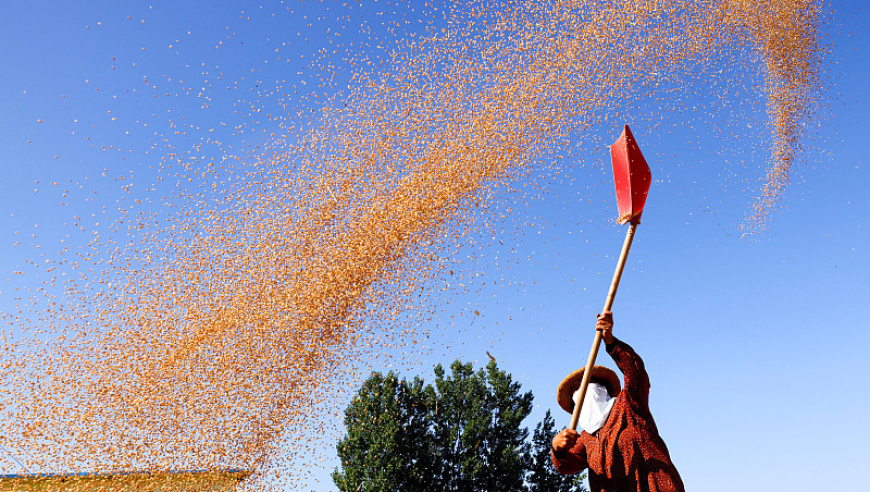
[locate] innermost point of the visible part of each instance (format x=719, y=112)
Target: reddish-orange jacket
x=626, y=454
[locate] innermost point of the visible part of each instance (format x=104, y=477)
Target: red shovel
x=632, y=179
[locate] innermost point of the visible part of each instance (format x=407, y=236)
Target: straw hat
x=600, y=374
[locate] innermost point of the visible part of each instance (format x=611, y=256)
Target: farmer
x=620, y=444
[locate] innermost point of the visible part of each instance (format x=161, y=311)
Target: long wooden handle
x=608, y=303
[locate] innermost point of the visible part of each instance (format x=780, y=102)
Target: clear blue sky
x=756, y=349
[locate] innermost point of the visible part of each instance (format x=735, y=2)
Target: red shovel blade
x=631, y=177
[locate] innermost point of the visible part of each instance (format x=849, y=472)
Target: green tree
x=476, y=429
x=463, y=433
x=541, y=475
x=386, y=423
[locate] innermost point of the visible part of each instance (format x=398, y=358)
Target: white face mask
x=595, y=409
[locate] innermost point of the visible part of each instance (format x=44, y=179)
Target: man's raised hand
x=605, y=325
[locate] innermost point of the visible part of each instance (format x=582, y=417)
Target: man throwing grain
x=620, y=444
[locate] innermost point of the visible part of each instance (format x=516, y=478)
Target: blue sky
x=756, y=347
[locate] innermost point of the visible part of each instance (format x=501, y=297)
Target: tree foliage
x=381, y=452
x=462, y=433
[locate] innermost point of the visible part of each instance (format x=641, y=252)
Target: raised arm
x=631, y=365
x=627, y=360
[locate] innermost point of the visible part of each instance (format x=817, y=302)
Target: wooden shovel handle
x=611, y=295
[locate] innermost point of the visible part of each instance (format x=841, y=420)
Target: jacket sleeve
x=574, y=460
x=631, y=365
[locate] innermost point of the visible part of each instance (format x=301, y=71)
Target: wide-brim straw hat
x=600, y=374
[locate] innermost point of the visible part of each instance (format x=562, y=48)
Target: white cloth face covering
x=596, y=407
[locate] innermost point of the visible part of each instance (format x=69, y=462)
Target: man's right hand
x=605, y=326
x=565, y=440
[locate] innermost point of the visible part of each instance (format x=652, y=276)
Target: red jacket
x=627, y=454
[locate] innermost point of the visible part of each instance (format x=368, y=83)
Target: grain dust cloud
x=212, y=341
